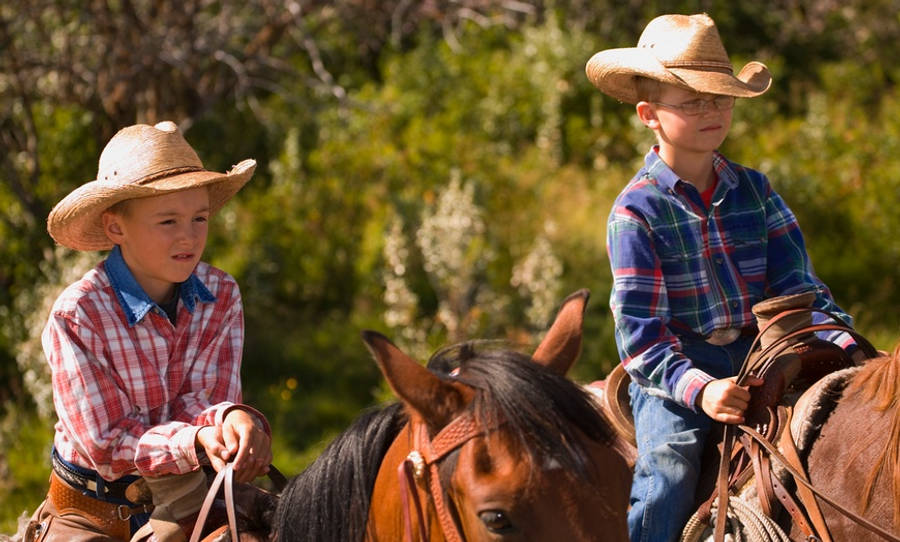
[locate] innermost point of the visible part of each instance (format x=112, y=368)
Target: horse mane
x=329, y=500
x=878, y=382
x=546, y=413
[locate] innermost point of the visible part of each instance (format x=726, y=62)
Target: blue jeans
x=670, y=442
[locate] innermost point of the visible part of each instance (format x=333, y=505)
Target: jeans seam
x=646, y=519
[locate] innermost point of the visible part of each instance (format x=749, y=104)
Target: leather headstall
x=421, y=466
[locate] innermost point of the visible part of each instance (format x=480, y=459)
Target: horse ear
x=436, y=400
x=562, y=344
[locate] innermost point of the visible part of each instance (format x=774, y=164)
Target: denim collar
x=667, y=178
x=135, y=301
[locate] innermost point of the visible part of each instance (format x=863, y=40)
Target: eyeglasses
x=696, y=107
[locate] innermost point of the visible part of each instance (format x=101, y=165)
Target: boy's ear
x=112, y=227
x=647, y=114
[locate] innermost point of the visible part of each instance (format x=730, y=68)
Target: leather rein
x=225, y=475
x=421, y=466
x=225, y=479
x=812, y=523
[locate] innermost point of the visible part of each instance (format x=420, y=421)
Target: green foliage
x=837, y=169
x=25, y=441
x=352, y=170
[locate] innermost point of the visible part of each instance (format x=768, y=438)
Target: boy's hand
x=248, y=444
x=725, y=401
x=240, y=439
x=209, y=438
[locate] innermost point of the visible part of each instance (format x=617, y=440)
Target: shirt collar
x=134, y=300
x=659, y=170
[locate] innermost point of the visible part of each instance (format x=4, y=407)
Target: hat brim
x=613, y=71
x=76, y=221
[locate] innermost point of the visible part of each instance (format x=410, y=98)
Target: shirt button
x=734, y=304
x=720, y=261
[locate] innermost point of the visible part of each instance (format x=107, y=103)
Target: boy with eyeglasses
x=694, y=241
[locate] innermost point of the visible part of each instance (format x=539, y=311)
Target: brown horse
x=856, y=457
x=486, y=444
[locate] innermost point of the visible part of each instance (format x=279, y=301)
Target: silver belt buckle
x=722, y=337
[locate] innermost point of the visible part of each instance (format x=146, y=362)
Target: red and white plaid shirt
x=131, y=390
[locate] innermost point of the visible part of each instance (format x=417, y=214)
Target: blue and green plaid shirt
x=680, y=267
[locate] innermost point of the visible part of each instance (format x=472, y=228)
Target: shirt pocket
x=748, y=238
x=681, y=258
x=746, y=230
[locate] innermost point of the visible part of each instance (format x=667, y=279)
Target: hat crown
x=142, y=153
x=680, y=50
x=688, y=41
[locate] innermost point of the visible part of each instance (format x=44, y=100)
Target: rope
x=748, y=524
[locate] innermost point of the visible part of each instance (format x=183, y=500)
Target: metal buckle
x=123, y=512
x=418, y=463
x=722, y=337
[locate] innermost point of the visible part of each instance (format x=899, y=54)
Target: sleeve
x=790, y=270
x=90, y=399
x=649, y=350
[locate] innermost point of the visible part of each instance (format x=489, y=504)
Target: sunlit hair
x=647, y=89
x=120, y=208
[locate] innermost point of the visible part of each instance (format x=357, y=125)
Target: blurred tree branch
x=146, y=60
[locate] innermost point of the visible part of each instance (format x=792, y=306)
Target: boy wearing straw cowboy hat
x=145, y=348
x=694, y=241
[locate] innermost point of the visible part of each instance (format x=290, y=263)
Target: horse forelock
x=548, y=415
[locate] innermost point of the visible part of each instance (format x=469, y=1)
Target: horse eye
x=496, y=521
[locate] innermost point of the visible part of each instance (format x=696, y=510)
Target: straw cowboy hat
x=681, y=50
x=139, y=161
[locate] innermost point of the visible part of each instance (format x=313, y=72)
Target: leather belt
x=115, y=489
x=113, y=519
x=723, y=336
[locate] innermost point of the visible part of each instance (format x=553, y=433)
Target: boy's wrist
x=256, y=416
x=698, y=399
x=689, y=387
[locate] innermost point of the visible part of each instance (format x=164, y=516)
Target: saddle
x=804, y=360
x=791, y=360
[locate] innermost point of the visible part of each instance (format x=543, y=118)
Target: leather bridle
x=421, y=466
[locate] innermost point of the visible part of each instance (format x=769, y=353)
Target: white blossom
x=538, y=278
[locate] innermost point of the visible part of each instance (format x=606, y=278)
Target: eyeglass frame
x=703, y=105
